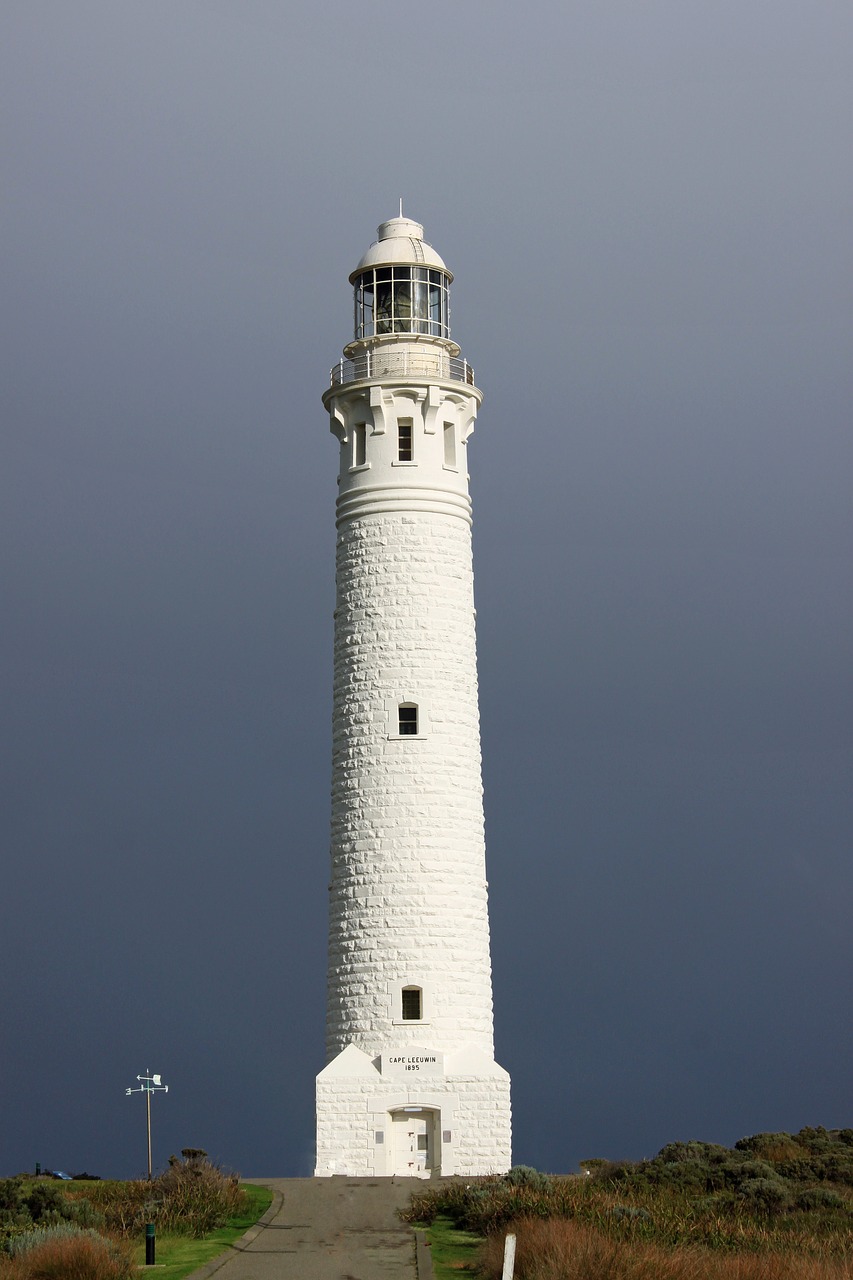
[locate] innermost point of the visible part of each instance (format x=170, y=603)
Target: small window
x=449, y=445
x=404, y=440
x=412, y=1004
x=408, y=718
x=359, y=444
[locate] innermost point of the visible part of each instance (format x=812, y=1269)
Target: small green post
x=150, y=1244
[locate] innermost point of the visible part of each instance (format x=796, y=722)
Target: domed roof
x=400, y=240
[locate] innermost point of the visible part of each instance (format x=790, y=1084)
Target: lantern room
x=402, y=286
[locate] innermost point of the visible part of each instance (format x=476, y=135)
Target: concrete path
x=325, y=1229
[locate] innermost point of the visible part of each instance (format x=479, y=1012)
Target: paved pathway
x=325, y=1229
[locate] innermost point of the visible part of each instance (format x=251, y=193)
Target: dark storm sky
x=647, y=207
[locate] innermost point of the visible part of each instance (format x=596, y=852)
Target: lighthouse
x=411, y=1086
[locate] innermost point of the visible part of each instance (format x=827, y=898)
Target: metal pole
x=148, y=1084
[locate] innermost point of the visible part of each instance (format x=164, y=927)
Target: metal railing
x=402, y=364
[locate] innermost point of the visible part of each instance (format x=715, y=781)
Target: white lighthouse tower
x=411, y=1086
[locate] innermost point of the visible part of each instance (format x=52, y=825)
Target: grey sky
x=647, y=208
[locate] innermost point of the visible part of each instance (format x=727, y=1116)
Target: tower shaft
x=411, y=1085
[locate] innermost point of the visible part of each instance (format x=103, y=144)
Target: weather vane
x=149, y=1084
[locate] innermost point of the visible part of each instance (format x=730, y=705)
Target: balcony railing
x=402, y=364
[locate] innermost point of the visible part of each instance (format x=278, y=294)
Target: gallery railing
x=402, y=364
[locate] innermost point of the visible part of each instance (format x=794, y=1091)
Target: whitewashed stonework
x=411, y=1085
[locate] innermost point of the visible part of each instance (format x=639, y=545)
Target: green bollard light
x=150, y=1244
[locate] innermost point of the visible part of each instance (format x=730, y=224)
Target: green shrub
x=819, y=1198
x=45, y=1201
x=738, y=1172
x=764, y=1194
x=25, y=1202
x=522, y=1175
x=704, y=1152
x=630, y=1213
x=35, y=1238
x=613, y=1170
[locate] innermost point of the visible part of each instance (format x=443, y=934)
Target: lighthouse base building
x=417, y=1114
x=411, y=1086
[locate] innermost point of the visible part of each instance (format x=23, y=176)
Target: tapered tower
x=411, y=1085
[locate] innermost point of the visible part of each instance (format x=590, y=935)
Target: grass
x=777, y=1206
x=668, y=1217
x=454, y=1251
x=178, y=1256
x=555, y=1249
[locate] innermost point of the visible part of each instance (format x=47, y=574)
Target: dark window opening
x=412, y=1004
x=408, y=718
x=404, y=440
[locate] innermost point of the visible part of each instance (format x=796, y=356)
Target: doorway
x=414, y=1132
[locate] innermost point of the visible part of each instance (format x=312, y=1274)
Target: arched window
x=412, y=1004
x=407, y=714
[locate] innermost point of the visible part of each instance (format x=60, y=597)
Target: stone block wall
x=408, y=898
x=353, y=1109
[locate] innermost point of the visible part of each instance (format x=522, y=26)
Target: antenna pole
x=149, y=1084
x=148, y=1108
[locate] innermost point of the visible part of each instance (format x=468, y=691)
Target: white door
x=413, y=1143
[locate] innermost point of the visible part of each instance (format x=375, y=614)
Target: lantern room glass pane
x=384, y=307
x=403, y=299
x=420, y=300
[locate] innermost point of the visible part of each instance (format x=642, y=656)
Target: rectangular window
x=408, y=720
x=359, y=444
x=404, y=440
x=412, y=1004
x=449, y=445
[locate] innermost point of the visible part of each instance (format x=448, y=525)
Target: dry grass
x=557, y=1249
x=72, y=1258
x=670, y=1218
x=193, y=1197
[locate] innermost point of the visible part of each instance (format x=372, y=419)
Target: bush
x=195, y=1195
x=85, y=1256
x=764, y=1194
x=630, y=1213
x=819, y=1198
x=34, y=1239
x=192, y=1197
x=522, y=1175
x=24, y=1202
